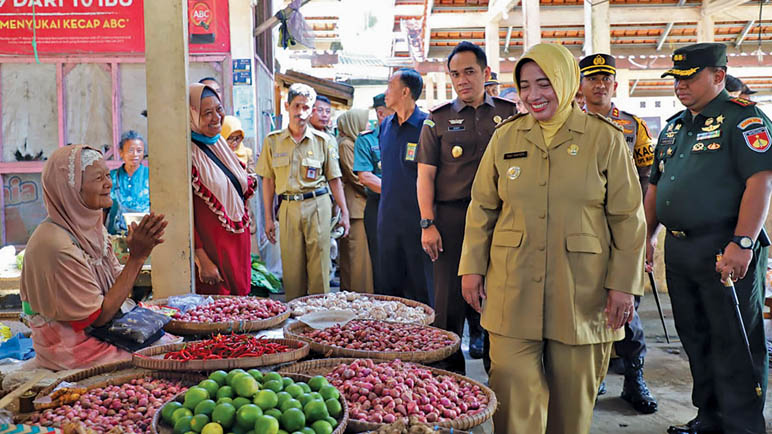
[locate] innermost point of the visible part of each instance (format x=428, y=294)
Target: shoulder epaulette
x=320, y=133
x=742, y=101
x=437, y=107
x=366, y=132
x=606, y=120
x=674, y=116
x=510, y=119
x=272, y=133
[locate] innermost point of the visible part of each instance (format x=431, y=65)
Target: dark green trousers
x=723, y=389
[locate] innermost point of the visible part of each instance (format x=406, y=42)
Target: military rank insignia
x=757, y=139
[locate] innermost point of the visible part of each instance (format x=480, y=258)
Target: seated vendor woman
x=131, y=190
x=71, y=278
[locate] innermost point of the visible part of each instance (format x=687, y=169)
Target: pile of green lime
x=252, y=402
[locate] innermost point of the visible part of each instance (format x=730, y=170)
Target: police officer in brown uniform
x=598, y=84
x=453, y=140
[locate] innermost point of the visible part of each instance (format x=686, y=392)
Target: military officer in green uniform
x=367, y=166
x=710, y=187
x=598, y=84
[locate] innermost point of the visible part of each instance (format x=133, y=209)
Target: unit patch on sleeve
x=750, y=121
x=757, y=139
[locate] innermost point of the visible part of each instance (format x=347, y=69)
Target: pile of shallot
x=368, y=335
x=233, y=309
x=387, y=392
x=363, y=306
x=130, y=406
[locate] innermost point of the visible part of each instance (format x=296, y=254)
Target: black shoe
x=634, y=389
x=476, y=347
x=602, y=388
x=695, y=426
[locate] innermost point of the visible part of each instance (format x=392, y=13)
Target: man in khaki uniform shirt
x=556, y=226
x=298, y=163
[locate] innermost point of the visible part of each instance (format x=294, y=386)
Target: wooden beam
x=166, y=53
x=531, y=21
x=574, y=15
x=499, y=9
x=717, y=7
x=706, y=29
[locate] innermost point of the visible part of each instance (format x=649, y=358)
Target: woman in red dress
x=221, y=188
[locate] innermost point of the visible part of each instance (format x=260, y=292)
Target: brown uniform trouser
x=545, y=386
x=356, y=271
x=304, y=231
x=449, y=304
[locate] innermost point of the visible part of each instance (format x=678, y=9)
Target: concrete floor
x=666, y=372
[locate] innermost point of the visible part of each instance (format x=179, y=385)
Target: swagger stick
x=739, y=317
x=659, y=306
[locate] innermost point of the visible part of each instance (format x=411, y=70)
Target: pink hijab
x=63, y=285
x=209, y=182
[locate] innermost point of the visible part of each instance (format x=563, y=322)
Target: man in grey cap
x=710, y=187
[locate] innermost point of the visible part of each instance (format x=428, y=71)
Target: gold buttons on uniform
x=457, y=151
x=497, y=119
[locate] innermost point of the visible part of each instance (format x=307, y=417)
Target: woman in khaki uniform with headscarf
x=356, y=272
x=556, y=226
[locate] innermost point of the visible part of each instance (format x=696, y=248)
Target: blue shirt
x=399, y=148
x=129, y=194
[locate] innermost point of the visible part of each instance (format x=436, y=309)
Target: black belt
x=698, y=231
x=303, y=196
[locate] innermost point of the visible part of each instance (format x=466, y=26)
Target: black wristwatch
x=425, y=223
x=745, y=243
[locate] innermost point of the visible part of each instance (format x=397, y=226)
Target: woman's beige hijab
x=351, y=123
x=64, y=285
x=560, y=66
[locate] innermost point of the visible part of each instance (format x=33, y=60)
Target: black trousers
x=633, y=346
x=371, y=230
x=703, y=309
x=405, y=269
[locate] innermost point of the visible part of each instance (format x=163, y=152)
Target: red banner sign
x=101, y=26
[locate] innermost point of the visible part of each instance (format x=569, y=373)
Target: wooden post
x=492, y=45
x=597, y=30
x=531, y=24
x=706, y=29
x=166, y=54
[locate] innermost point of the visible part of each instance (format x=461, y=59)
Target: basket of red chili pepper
x=221, y=352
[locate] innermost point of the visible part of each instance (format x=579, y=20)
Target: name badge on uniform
x=311, y=168
x=709, y=135
x=456, y=125
x=411, y=151
x=667, y=141
x=511, y=155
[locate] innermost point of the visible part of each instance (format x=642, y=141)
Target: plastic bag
x=138, y=325
x=186, y=302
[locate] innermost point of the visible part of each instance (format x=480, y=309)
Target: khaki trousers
x=545, y=386
x=304, y=230
x=356, y=270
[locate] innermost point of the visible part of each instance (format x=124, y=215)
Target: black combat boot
x=635, y=391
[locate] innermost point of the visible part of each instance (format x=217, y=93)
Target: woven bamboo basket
x=116, y=374
x=159, y=428
x=294, y=330
x=153, y=358
x=206, y=328
x=324, y=366
x=411, y=303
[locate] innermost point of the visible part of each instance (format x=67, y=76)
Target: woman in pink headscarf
x=71, y=278
x=221, y=188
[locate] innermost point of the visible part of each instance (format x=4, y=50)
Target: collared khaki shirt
x=553, y=228
x=638, y=138
x=299, y=167
x=454, y=138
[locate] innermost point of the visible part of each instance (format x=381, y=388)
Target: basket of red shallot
x=226, y=314
x=383, y=340
x=380, y=392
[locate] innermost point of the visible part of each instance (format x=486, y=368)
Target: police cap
x=598, y=64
